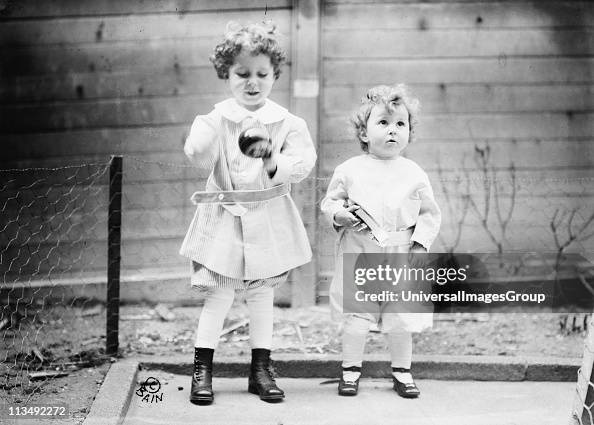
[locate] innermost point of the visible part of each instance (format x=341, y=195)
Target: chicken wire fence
x=55, y=230
x=582, y=412
x=53, y=226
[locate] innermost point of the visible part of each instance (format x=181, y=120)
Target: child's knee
x=220, y=295
x=399, y=335
x=261, y=294
x=357, y=324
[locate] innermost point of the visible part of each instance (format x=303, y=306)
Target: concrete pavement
x=460, y=390
x=309, y=402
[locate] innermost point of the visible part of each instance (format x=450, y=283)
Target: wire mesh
x=582, y=412
x=484, y=209
x=54, y=234
x=52, y=260
x=156, y=213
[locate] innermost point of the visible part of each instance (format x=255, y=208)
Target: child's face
x=251, y=79
x=387, y=131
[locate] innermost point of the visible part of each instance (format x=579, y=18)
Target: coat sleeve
x=297, y=155
x=429, y=219
x=202, y=145
x=336, y=195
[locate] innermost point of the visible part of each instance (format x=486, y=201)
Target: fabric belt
x=239, y=196
x=399, y=237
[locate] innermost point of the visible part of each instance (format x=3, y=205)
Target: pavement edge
x=440, y=367
x=112, y=401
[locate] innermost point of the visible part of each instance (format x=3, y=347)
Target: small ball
x=254, y=140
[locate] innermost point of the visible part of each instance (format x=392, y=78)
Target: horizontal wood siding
x=29, y=9
x=515, y=76
x=82, y=80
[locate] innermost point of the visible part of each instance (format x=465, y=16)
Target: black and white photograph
x=297, y=212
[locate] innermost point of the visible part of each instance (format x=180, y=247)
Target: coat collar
x=270, y=113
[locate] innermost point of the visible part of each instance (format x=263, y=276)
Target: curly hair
x=389, y=96
x=259, y=38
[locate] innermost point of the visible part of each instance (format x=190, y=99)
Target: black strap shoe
x=201, y=390
x=349, y=387
x=408, y=390
x=261, y=380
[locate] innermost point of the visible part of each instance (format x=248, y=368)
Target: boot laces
x=267, y=371
x=271, y=372
x=199, y=374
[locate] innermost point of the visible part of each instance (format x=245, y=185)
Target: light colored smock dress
x=248, y=244
x=398, y=195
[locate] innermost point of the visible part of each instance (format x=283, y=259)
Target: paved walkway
x=309, y=402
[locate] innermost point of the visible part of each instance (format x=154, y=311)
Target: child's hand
x=270, y=164
x=255, y=142
x=345, y=217
x=261, y=149
x=417, y=255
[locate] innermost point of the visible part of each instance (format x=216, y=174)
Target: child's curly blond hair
x=389, y=96
x=259, y=38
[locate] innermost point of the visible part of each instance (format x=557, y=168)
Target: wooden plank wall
x=80, y=80
x=512, y=75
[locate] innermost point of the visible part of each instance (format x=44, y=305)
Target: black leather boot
x=201, y=391
x=261, y=379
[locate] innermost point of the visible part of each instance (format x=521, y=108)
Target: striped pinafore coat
x=239, y=244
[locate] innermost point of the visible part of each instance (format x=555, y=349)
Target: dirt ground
x=311, y=330
x=64, y=339
x=71, y=340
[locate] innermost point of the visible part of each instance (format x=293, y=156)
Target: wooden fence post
x=114, y=237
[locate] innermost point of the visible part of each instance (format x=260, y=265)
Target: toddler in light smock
x=247, y=233
x=396, y=193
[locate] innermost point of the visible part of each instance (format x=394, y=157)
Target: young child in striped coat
x=247, y=233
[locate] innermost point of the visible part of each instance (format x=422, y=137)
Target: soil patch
x=311, y=330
